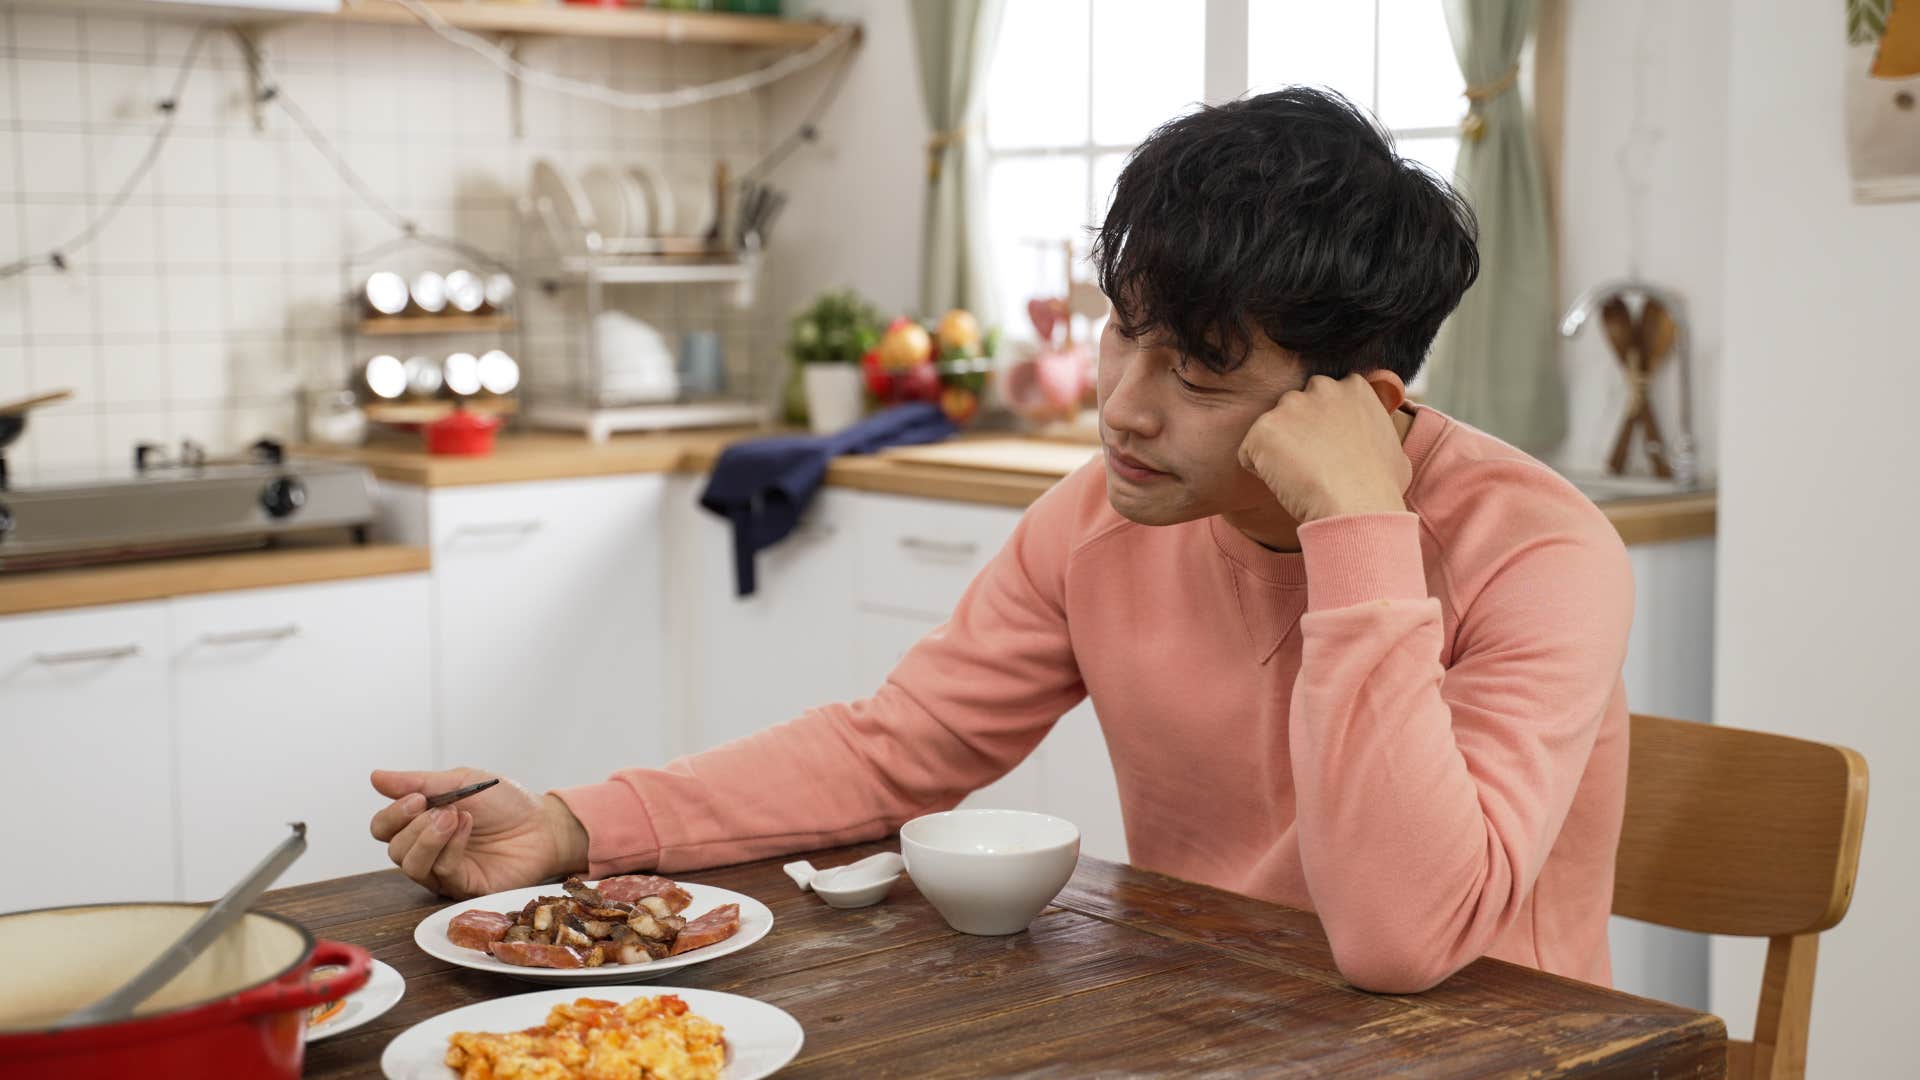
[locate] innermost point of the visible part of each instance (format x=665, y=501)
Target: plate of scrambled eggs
x=638, y=1032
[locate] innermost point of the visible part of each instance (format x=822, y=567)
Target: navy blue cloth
x=763, y=486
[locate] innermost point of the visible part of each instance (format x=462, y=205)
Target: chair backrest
x=1750, y=834
x=1738, y=832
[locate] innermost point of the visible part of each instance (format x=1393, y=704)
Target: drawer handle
x=87, y=656
x=497, y=528
x=249, y=637
x=945, y=549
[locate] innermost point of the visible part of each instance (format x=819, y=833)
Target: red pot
x=239, y=1011
x=462, y=432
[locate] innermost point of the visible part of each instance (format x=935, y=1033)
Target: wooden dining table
x=1127, y=973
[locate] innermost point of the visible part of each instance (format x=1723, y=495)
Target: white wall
x=854, y=219
x=1676, y=54
x=1818, y=510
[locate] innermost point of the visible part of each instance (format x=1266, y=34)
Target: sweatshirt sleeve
x=1429, y=798
x=963, y=707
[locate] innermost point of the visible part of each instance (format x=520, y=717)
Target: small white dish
x=855, y=885
x=989, y=871
x=761, y=1038
x=385, y=987
x=431, y=935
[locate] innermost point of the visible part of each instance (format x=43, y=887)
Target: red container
x=462, y=432
x=239, y=1011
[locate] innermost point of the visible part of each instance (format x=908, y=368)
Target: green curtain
x=954, y=40
x=1495, y=363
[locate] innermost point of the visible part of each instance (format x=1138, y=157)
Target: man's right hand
x=505, y=837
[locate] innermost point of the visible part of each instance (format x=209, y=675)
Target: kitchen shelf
x=397, y=325
x=645, y=24
x=426, y=412
x=660, y=271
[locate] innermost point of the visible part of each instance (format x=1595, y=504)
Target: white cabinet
x=917, y=556
x=284, y=700
x=763, y=659
x=548, y=606
x=86, y=777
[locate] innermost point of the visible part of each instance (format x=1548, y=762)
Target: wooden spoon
x=1658, y=332
x=15, y=408
x=1624, y=334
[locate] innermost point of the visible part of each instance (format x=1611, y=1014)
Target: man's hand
x=505, y=837
x=1329, y=449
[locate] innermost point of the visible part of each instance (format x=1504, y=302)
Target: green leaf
x=1867, y=20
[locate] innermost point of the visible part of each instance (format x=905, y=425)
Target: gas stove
x=178, y=503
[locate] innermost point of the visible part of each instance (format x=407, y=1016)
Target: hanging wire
x=639, y=101
x=169, y=107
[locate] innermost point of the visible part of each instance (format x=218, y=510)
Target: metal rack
x=576, y=256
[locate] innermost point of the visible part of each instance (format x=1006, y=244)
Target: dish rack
x=562, y=232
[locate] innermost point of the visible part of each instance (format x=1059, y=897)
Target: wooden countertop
x=50, y=590
x=546, y=456
x=1125, y=972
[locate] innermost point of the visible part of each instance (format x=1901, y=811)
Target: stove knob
x=283, y=496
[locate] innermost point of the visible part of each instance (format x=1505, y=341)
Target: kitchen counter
x=49, y=590
x=547, y=456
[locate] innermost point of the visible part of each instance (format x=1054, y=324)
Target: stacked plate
x=617, y=209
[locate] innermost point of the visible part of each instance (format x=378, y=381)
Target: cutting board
x=1028, y=456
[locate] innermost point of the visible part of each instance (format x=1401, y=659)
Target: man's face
x=1184, y=425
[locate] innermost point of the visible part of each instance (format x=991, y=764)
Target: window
x=1076, y=84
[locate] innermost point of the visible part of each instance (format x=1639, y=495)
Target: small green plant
x=837, y=328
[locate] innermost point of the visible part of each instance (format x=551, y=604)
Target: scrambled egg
x=649, y=1038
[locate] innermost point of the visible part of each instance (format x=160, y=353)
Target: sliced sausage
x=478, y=929
x=535, y=954
x=715, y=926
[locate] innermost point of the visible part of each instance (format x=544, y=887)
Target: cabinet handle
x=946, y=549
x=248, y=637
x=497, y=528
x=86, y=656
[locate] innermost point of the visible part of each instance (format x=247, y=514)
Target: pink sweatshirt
x=1414, y=727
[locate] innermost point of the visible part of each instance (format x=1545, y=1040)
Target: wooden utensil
x=15, y=408
x=1640, y=344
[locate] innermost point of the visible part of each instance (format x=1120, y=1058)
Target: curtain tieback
x=1473, y=125
x=937, y=144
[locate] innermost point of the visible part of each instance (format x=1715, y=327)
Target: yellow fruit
x=906, y=345
x=960, y=330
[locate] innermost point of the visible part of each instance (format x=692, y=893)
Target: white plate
x=761, y=1039
x=572, y=213
x=384, y=989
x=606, y=192
x=659, y=198
x=431, y=935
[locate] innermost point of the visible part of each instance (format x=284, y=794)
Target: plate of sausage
x=617, y=930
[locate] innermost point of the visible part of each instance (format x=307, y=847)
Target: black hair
x=1290, y=215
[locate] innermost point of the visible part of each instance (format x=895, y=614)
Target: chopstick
x=447, y=798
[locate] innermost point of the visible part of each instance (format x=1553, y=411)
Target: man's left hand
x=1329, y=449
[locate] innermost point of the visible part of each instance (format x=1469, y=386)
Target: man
x=1348, y=654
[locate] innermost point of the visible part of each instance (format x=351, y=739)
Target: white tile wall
x=216, y=292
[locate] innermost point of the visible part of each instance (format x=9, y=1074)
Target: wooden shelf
x=645, y=24
x=426, y=412
x=395, y=325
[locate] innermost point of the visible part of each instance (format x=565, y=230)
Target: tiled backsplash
x=217, y=292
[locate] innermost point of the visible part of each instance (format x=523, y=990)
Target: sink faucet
x=1682, y=454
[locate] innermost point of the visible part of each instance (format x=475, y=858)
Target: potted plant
x=827, y=340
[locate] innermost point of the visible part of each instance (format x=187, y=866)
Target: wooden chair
x=1749, y=834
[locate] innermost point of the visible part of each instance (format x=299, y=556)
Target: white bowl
x=989, y=871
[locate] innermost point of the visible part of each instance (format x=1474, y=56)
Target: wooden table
x=1129, y=973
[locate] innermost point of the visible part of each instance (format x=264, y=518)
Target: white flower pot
x=835, y=396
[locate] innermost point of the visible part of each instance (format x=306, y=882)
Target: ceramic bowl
x=989, y=871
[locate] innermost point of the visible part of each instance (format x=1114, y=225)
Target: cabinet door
x=548, y=613
x=766, y=658
x=286, y=699
x=86, y=778
x=918, y=555
x=883, y=639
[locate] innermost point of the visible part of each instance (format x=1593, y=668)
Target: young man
x=1348, y=654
